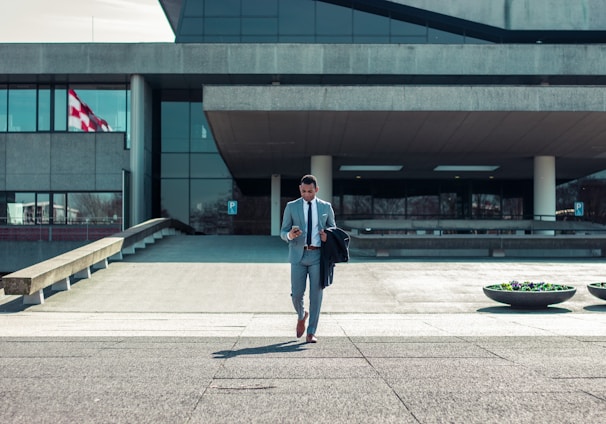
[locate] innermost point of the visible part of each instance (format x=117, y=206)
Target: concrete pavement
x=201, y=329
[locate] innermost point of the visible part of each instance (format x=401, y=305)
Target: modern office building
x=404, y=109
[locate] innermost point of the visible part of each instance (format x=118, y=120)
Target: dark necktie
x=309, y=223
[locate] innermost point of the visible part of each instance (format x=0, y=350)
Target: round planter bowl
x=529, y=299
x=597, y=290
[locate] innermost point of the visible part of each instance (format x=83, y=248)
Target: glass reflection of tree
x=97, y=208
x=389, y=208
x=212, y=218
x=591, y=191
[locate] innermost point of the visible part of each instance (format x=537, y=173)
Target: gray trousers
x=308, y=267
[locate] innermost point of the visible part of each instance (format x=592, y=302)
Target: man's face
x=308, y=191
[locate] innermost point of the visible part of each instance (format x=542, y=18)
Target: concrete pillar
x=321, y=168
x=137, y=149
x=276, y=212
x=544, y=189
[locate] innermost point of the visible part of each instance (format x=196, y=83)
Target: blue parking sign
x=232, y=207
x=579, y=209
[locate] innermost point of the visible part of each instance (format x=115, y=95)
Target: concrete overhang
x=265, y=130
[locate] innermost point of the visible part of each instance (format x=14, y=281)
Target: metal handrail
x=86, y=229
x=440, y=227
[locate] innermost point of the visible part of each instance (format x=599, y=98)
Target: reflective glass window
x=233, y=21
x=402, y=28
x=513, y=208
x=175, y=127
x=486, y=205
x=44, y=109
x=222, y=7
x=60, y=121
x=192, y=26
x=259, y=26
x=357, y=205
x=59, y=208
x=175, y=165
x=3, y=108
x=222, y=26
x=43, y=207
x=22, y=108
x=202, y=139
x=423, y=207
x=259, y=7
x=448, y=205
x=333, y=19
x=297, y=17
x=94, y=208
x=390, y=208
x=20, y=208
x=175, y=199
x=208, y=165
x=208, y=213
x=108, y=104
x=194, y=7
x=370, y=24
x=435, y=36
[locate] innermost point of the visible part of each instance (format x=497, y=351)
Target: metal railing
x=90, y=229
x=444, y=227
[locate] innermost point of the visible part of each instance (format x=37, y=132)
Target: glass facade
x=432, y=199
x=308, y=21
x=40, y=108
x=195, y=183
x=36, y=208
x=22, y=108
x=111, y=104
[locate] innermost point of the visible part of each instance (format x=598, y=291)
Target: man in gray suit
x=304, y=235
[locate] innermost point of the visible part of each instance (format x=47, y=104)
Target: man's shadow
x=286, y=347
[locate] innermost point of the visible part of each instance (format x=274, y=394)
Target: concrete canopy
x=418, y=128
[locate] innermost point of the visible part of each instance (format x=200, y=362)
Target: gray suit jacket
x=293, y=215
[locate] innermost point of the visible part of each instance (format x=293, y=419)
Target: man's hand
x=323, y=236
x=294, y=233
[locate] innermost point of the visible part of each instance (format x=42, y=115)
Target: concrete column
x=321, y=168
x=137, y=149
x=276, y=213
x=544, y=189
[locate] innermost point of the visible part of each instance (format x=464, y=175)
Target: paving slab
x=200, y=329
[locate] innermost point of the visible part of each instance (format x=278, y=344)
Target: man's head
x=308, y=187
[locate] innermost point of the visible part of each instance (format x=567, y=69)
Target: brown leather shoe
x=301, y=325
x=311, y=338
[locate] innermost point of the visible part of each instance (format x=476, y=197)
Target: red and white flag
x=82, y=117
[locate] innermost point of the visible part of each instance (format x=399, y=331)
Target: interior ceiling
x=257, y=144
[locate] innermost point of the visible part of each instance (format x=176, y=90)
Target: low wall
x=518, y=246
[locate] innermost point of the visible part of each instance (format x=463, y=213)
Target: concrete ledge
x=55, y=272
x=479, y=245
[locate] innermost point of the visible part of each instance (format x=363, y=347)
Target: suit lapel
x=300, y=213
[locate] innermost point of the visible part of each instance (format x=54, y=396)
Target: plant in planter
x=529, y=294
x=598, y=290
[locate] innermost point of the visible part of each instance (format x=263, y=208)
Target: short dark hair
x=309, y=179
